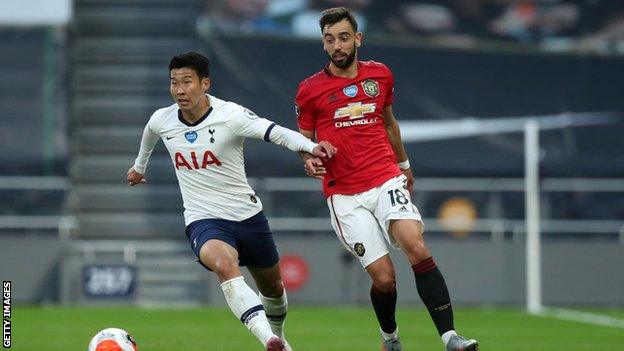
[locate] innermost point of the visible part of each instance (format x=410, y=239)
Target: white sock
x=247, y=307
x=390, y=336
x=447, y=336
x=276, y=309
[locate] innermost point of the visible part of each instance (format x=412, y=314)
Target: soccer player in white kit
x=224, y=221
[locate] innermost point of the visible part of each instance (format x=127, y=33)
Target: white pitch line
x=583, y=317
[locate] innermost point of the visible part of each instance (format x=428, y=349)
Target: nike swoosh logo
x=169, y=138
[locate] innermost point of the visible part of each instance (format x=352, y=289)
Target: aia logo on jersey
x=195, y=163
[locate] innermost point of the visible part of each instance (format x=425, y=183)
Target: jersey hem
x=375, y=184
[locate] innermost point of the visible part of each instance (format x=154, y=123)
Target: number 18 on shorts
x=361, y=220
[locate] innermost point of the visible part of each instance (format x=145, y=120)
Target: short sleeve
x=304, y=111
x=246, y=123
x=390, y=88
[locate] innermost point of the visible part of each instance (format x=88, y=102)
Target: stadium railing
x=36, y=193
x=64, y=224
x=485, y=223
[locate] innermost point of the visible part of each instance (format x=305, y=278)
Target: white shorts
x=361, y=221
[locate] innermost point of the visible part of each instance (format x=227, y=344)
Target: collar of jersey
x=196, y=122
x=328, y=72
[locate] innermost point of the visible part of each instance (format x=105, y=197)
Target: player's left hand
x=410, y=179
x=314, y=167
x=324, y=149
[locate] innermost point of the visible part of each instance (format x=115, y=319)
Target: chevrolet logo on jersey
x=354, y=110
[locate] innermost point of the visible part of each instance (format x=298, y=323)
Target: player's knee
x=225, y=267
x=385, y=283
x=416, y=251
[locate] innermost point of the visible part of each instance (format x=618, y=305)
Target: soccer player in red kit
x=368, y=182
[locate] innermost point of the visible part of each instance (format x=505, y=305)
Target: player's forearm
x=148, y=141
x=291, y=140
x=394, y=136
x=310, y=135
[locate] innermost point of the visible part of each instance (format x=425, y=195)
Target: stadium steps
x=121, y=79
x=128, y=49
x=171, y=295
x=106, y=198
x=132, y=110
x=112, y=169
x=167, y=273
x=169, y=263
x=174, y=277
x=110, y=140
x=168, y=290
x=179, y=269
x=130, y=225
x=166, y=18
x=134, y=2
x=119, y=51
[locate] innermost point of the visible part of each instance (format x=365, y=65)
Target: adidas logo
x=403, y=209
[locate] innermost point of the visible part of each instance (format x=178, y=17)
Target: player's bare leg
x=222, y=259
x=429, y=282
x=268, y=280
x=383, y=297
x=273, y=297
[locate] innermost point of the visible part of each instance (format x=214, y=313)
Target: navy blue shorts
x=252, y=238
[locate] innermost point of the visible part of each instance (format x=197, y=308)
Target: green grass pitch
x=307, y=329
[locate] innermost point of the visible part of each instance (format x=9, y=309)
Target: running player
x=368, y=184
x=225, y=224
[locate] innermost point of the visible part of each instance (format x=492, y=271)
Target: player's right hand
x=134, y=177
x=324, y=149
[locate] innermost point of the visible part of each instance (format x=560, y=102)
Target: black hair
x=335, y=15
x=197, y=62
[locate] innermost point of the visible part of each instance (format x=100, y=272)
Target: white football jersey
x=208, y=158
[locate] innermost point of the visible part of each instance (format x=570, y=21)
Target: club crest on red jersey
x=370, y=87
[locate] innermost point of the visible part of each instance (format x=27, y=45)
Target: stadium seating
x=119, y=54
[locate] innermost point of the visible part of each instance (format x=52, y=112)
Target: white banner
x=35, y=12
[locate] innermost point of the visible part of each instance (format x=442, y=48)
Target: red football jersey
x=348, y=113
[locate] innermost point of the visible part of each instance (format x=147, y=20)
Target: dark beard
x=346, y=63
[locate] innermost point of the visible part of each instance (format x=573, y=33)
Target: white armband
x=404, y=165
